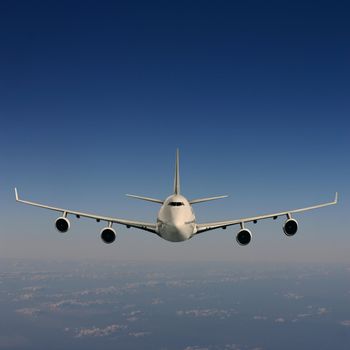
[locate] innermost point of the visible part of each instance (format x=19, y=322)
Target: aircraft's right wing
x=128, y=223
x=223, y=224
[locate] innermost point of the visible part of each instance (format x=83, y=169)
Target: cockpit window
x=176, y=204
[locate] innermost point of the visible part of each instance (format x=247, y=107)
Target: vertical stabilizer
x=177, y=174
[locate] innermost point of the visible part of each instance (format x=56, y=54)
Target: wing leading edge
x=128, y=223
x=223, y=224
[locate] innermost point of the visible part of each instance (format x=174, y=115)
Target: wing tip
x=16, y=194
x=336, y=198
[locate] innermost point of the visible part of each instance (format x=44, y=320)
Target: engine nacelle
x=108, y=235
x=62, y=224
x=290, y=227
x=244, y=237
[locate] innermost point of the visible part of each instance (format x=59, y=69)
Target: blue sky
x=97, y=95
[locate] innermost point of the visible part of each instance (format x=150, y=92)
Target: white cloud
x=322, y=311
x=25, y=296
x=28, y=311
x=157, y=301
x=280, y=320
x=111, y=290
x=134, y=312
x=258, y=317
x=345, y=323
x=222, y=314
x=304, y=315
x=215, y=347
x=40, y=277
x=64, y=304
x=139, y=334
x=293, y=296
x=99, y=332
x=132, y=316
x=33, y=288
x=232, y=347
x=181, y=283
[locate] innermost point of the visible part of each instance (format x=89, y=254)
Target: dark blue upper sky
x=95, y=96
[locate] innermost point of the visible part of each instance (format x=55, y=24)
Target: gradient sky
x=95, y=97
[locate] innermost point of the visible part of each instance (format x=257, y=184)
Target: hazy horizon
x=166, y=306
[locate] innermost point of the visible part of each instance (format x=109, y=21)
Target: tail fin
x=177, y=174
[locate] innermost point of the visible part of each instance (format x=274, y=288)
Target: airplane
x=176, y=221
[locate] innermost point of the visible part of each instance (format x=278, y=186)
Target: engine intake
x=244, y=237
x=62, y=224
x=108, y=235
x=290, y=227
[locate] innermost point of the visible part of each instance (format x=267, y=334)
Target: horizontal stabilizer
x=200, y=200
x=146, y=198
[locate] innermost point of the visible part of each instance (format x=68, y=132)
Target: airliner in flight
x=176, y=221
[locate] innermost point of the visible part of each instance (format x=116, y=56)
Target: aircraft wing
x=223, y=224
x=128, y=223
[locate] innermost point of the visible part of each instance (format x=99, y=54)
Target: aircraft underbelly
x=176, y=234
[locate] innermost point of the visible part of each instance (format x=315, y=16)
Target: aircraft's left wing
x=223, y=224
x=128, y=223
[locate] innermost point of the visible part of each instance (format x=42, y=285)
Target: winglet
x=336, y=198
x=16, y=194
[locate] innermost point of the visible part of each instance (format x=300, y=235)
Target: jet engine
x=108, y=235
x=244, y=236
x=62, y=224
x=290, y=227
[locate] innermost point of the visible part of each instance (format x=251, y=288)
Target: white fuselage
x=176, y=221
